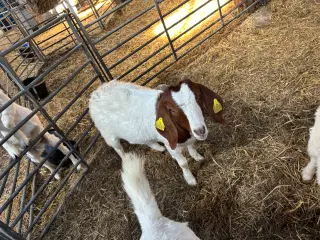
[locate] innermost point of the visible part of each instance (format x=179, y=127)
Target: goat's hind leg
x=116, y=145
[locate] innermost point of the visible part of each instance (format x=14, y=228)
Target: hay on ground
x=249, y=184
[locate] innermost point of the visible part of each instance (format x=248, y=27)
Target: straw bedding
x=249, y=184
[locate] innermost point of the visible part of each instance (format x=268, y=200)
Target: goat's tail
x=137, y=187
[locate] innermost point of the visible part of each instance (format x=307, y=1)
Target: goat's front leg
x=116, y=145
x=51, y=168
x=193, y=153
x=35, y=157
x=52, y=141
x=183, y=163
x=65, y=151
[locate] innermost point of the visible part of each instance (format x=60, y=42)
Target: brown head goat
x=140, y=115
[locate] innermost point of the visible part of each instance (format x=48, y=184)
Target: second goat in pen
x=313, y=151
x=11, y=117
x=140, y=115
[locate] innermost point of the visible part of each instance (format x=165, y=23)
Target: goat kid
x=153, y=224
x=141, y=115
x=313, y=151
x=11, y=117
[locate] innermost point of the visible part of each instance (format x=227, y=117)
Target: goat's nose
x=200, y=131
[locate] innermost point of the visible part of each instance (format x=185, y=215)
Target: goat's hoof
x=57, y=176
x=79, y=168
x=190, y=179
x=307, y=176
x=198, y=158
x=192, y=182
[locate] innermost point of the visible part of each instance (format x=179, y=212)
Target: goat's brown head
x=210, y=102
x=171, y=122
x=180, y=111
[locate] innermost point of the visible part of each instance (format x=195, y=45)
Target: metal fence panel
x=71, y=53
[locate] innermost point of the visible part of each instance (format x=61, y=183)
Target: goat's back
x=124, y=110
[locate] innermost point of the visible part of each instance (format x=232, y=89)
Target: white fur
x=154, y=226
x=10, y=118
x=128, y=111
x=313, y=151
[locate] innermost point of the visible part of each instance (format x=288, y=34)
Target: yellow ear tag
x=160, y=124
x=217, y=107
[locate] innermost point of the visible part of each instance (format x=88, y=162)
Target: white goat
x=154, y=226
x=10, y=118
x=313, y=151
x=140, y=115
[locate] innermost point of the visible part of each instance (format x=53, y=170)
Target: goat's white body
x=154, y=226
x=313, y=151
x=127, y=111
x=117, y=111
x=10, y=118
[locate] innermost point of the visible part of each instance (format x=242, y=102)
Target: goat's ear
x=165, y=126
x=211, y=103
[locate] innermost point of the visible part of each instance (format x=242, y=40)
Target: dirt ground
x=249, y=184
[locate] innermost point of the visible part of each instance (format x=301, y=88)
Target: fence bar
x=96, y=14
x=165, y=29
x=220, y=13
x=152, y=67
x=86, y=49
x=8, y=234
x=32, y=35
x=202, y=41
x=62, y=184
x=143, y=61
x=14, y=184
x=66, y=108
x=94, y=140
x=107, y=13
x=197, y=23
x=124, y=24
x=65, y=83
x=3, y=184
x=135, y=51
x=33, y=190
x=49, y=179
x=90, y=46
x=54, y=216
x=24, y=192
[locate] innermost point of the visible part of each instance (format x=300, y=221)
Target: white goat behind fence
x=154, y=226
x=11, y=117
x=313, y=151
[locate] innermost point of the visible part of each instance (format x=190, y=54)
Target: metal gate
x=157, y=35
